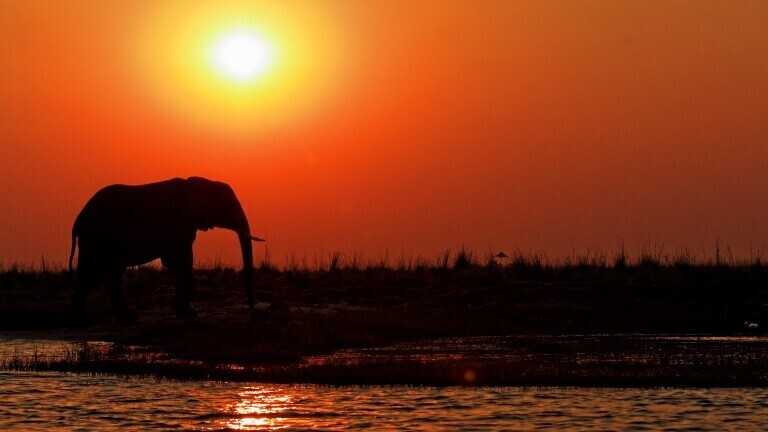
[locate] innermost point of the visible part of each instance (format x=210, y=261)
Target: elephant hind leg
x=86, y=279
x=180, y=264
x=84, y=284
x=120, y=310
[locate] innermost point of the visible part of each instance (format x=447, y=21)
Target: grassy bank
x=340, y=302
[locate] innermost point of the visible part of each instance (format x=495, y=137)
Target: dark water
x=58, y=401
x=45, y=401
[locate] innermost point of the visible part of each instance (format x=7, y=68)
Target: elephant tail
x=72, y=251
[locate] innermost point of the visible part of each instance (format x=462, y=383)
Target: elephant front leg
x=180, y=264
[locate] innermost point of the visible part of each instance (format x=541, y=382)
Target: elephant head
x=213, y=204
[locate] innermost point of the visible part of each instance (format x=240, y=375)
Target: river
x=42, y=401
x=47, y=401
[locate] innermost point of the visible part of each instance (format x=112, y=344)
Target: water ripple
x=41, y=401
x=44, y=401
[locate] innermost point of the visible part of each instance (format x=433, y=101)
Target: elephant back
x=124, y=210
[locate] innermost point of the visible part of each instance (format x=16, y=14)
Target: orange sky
x=403, y=126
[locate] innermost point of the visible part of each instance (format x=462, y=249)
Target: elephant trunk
x=247, y=249
x=244, y=235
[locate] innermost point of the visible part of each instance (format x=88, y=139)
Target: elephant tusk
x=247, y=234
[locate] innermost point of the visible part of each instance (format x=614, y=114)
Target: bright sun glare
x=242, y=56
x=238, y=68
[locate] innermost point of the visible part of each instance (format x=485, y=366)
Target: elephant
x=128, y=225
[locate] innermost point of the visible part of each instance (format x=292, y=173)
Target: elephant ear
x=200, y=197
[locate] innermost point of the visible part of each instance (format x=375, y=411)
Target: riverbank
x=305, y=313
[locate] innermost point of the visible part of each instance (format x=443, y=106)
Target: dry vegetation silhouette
x=316, y=307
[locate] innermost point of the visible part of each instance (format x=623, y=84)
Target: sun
x=238, y=68
x=242, y=55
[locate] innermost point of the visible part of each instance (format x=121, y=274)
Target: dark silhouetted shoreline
x=553, y=312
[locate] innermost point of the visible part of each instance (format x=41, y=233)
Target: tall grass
x=518, y=262
x=650, y=261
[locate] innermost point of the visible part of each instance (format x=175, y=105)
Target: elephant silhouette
x=124, y=225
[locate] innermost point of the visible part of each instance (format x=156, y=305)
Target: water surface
x=36, y=401
x=41, y=401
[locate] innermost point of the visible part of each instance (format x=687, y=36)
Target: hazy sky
x=403, y=126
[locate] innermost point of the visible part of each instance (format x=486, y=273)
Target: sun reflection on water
x=260, y=408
